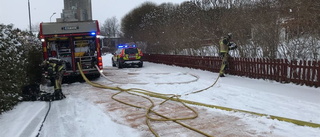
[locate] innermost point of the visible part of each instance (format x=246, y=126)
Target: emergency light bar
x=121, y=46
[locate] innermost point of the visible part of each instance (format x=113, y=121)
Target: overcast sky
x=16, y=11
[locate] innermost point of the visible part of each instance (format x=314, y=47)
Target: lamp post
x=29, y=17
x=52, y=15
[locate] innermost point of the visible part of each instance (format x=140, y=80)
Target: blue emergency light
x=121, y=46
x=93, y=33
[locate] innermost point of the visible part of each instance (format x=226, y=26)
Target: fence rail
x=281, y=70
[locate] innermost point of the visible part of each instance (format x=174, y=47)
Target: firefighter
x=55, y=69
x=225, y=46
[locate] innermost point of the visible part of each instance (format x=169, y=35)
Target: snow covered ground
x=86, y=113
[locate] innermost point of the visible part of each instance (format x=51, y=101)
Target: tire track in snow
x=34, y=122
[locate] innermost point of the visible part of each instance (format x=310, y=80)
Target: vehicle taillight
x=100, y=63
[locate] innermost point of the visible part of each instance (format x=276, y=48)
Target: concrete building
x=76, y=10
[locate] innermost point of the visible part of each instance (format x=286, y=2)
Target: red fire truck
x=73, y=42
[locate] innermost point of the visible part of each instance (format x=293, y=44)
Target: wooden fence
x=280, y=70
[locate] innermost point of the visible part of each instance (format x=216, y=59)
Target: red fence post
x=268, y=69
x=284, y=68
x=308, y=73
x=243, y=67
x=304, y=69
x=252, y=68
x=278, y=62
x=300, y=72
x=236, y=66
x=256, y=68
x=315, y=73
x=259, y=68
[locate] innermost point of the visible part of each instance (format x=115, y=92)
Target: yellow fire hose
x=176, y=98
x=134, y=91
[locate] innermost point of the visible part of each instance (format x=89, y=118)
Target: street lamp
x=29, y=16
x=52, y=15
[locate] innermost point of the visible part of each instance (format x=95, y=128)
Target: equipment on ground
x=33, y=93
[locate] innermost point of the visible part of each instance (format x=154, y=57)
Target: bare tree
x=258, y=26
x=111, y=27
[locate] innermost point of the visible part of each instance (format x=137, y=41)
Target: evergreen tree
x=20, y=56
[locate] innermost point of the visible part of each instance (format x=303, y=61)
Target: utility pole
x=29, y=17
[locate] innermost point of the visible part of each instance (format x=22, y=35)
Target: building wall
x=76, y=10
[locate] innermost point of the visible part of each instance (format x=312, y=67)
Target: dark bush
x=20, y=55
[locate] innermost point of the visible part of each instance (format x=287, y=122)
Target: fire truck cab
x=73, y=42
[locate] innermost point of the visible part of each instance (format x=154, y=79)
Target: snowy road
x=88, y=111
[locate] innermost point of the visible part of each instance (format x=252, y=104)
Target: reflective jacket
x=224, y=45
x=53, y=67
